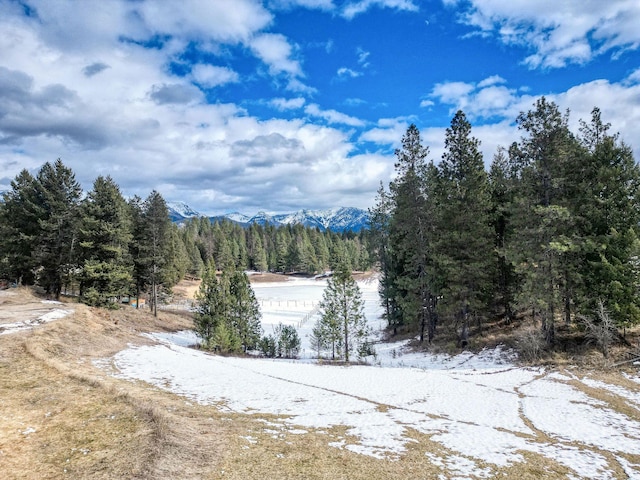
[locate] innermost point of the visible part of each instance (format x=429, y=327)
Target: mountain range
x=340, y=219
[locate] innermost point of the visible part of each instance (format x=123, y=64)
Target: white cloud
x=283, y=104
x=203, y=20
x=426, y=103
x=332, y=116
x=493, y=80
x=558, y=33
x=352, y=9
x=347, y=72
x=211, y=75
x=363, y=57
x=389, y=131
x=274, y=50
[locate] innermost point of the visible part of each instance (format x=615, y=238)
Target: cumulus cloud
x=211, y=76
x=274, y=50
x=388, y=131
x=283, y=104
x=204, y=20
x=332, y=116
x=557, y=33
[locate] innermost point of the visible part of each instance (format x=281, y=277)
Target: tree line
x=262, y=248
x=104, y=247
x=101, y=247
x=550, y=232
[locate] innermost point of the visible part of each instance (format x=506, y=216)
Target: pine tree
x=155, y=243
x=607, y=201
x=543, y=247
x=463, y=234
x=104, y=238
x=411, y=227
x=56, y=246
x=379, y=223
x=342, y=323
x=20, y=216
x=212, y=306
x=244, y=311
x=505, y=280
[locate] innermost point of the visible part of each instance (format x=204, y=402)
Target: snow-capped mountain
x=180, y=211
x=335, y=219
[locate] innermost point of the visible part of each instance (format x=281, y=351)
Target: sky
x=279, y=105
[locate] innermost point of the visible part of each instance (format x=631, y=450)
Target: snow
x=483, y=410
x=55, y=314
x=182, y=209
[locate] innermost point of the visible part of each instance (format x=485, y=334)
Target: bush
x=530, y=343
x=285, y=343
x=602, y=333
x=267, y=346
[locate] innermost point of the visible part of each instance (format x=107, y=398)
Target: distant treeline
x=285, y=249
x=103, y=247
x=549, y=233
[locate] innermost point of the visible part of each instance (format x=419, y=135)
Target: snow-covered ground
x=481, y=409
x=52, y=314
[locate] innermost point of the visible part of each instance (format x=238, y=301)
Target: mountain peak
x=337, y=219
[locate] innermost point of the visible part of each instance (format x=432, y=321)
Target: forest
x=103, y=247
x=549, y=233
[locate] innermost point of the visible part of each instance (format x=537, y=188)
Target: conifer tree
x=155, y=243
x=59, y=197
x=20, y=215
x=379, y=223
x=411, y=227
x=212, y=306
x=463, y=235
x=244, y=311
x=342, y=323
x=104, y=238
x=543, y=248
x=607, y=208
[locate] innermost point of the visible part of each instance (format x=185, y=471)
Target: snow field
x=482, y=409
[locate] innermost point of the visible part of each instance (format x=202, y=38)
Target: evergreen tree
x=463, y=235
x=607, y=201
x=379, y=223
x=543, y=248
x=505, y=280
x=155, y=245
x=342, y=322
x=137, y=247
x=212, y=306
x=104, y=238
x=410, y=227
x=244, y=311
x=20, y=216
x=59, y=197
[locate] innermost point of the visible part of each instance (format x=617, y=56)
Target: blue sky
x=278, y=105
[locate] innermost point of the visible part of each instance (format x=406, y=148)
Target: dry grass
x=61, y=417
